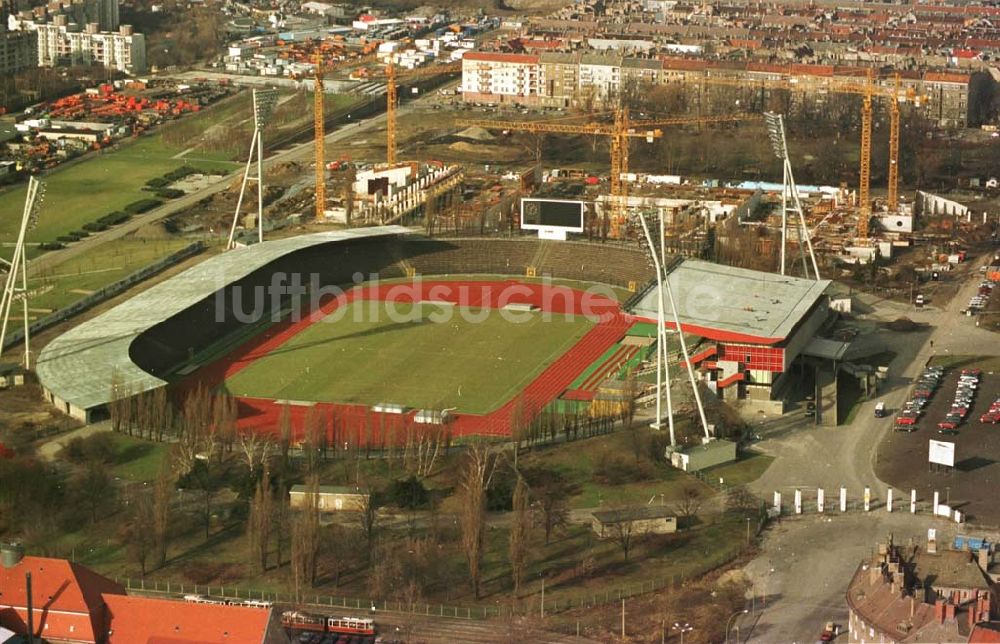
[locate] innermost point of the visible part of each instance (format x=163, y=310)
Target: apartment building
x=18, y=50
x=63, y=43
x=587, y=79
x=501, y=78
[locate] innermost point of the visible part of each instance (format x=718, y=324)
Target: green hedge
x=142, y=205
x=51, y=246
x=169, y=193
x=114, y=218
x=158, y=182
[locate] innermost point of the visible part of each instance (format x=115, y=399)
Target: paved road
x=806, y=564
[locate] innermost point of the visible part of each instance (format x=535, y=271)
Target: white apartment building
x=501, y=78
x=61, y=43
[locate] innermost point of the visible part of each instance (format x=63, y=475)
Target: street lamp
x=730, y=622
x=683, y=628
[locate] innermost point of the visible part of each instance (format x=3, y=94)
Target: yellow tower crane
x=391, y=77
x=868, y=91
x=319, y=122
x=620, y=132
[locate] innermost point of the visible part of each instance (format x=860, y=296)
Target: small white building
x=332, y=498
x=644, y=519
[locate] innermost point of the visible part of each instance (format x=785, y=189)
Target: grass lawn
x=581, y=466
x=137, y=459
x=110, y=262
x=748, y=468
x=411, y=360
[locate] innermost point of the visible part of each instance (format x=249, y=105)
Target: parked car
x=947, y=425
x=948, y=431
x=880, y=410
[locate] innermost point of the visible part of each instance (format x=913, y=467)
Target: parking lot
x=970, y=486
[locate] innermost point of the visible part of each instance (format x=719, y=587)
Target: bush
x=114, y=218
x=169, y=193
x=66, y=239
x=158, y=182
x=179, y=173
x=51, y=246
x=80, y=234
x=143, y=205
x=408, y=493
x=96, y=448
x=95, y=227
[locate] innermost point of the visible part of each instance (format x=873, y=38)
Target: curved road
x=805, y=564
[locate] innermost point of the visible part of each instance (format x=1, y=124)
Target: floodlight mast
x=776, y=133
x=264, y=101
x=662, y=376
x=17, y=268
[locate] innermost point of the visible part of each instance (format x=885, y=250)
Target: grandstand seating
x=201, y=327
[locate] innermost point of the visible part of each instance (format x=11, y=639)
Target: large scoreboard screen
x=552, y=215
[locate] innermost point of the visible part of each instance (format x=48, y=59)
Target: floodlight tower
x=776, y=132
x=663, y=286
x=19, y=264
x=264, y=101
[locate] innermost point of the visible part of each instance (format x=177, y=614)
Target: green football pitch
x=474, y=364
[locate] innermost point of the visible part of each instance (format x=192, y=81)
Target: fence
x=107, y=292
x=551, y=605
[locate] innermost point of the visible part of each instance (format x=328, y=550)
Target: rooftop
x=78, y=365
x=329, y=489
x=735, y=304
x=950, y=569
x=637, y=513
x=146, y=619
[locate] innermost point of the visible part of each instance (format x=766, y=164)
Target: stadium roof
x=735, y=304
x=77, y=366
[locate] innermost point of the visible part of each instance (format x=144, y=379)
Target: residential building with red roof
x=71, y=604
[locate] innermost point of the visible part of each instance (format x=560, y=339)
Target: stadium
x=384, y=327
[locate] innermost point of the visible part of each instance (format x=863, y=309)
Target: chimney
x=949, y=612
x=939, y=611
x=125, y=30
x=984, y=558
x=92, y=28
x=11, y=554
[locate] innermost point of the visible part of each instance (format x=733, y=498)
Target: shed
x=645, y=519
x=332, y=498
x=700, y=457
x=11, y=375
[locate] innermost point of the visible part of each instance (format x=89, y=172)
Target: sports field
x=474, y=362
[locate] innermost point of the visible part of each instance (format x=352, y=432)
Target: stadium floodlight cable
x=661, y=359
x=264, y=101
x=779, y=145
x=18, y=267
x=665, y=281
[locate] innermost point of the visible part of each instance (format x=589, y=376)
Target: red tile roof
x=67, y=599
x=988, y=633
x=490, y=57
x=145, y=620
x=946, y=77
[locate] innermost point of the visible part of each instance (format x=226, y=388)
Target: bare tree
x=163, y=493
x=139, y=535
x=257, y=448
x=689, y=504
x=312, y=431
x=624, y=529
x=95, y=489
x=475, y=478
x=368, y=520
x=259, y=522
x=551, y=492
x=519, y=533
x=305, y=539
x=285, y=433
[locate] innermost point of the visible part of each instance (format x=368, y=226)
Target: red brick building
x=71, y=604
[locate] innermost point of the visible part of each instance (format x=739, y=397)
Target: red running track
x=357, y=424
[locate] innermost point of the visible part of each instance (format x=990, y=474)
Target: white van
x=880, y=410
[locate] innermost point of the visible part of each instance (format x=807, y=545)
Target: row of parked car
x=923, y=390
x=992, y=415
x=979, y=301
x=965, y=396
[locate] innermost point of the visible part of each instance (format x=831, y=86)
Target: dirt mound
x=904, y=325
x=475, y=134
